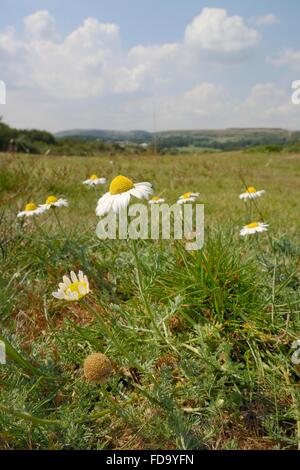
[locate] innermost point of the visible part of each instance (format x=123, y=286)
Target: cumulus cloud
x=267, y=105
x=88, y=79
x=40, y=26
x=288, y=57
x=214, y=30
x=266, y=20
x=90, y=61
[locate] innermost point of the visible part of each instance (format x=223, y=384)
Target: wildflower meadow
x=141, y=344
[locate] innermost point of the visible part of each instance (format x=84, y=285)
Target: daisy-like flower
x=31, y=209
x=120, y=191
x=252, y=193
x=156, y=200
x=187, y=197
x=53, y=201
x=74, y=288
x=93, y=180
x=254, y=227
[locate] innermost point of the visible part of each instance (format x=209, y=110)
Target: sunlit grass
x=200, y=342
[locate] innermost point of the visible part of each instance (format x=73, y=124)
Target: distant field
x=218, y=178
x=200, y=342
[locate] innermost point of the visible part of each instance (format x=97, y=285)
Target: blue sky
x=200, y=64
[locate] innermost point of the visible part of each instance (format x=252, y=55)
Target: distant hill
x=135, y=136
x=219, y=139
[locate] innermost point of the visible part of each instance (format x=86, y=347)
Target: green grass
x=200, y=342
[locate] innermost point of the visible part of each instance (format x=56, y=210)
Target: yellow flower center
x=30, y=207
x=253, y=225
x=155, y=198
x=120, y=184
x=251, y=189
x=74, y=287
x=51, y=200
x=93, y=177
x=186, y=195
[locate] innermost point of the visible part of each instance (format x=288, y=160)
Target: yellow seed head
x=186, y=195
x=97, y=368
x=31, y=206
x=93, y=177
x=155, y=198
x=120, y=184
x=251, y=189
x=253, y=225
x=75, y=287
x=51, y=199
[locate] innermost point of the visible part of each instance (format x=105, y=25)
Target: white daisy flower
x=156, y=200
x=251, y=193
x=74, y=288
x=187, y=197
x=53, y=201
x=93, y=180
x=254, y=227
x=31, y=209
x=120, y=191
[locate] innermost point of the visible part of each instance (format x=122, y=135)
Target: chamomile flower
x=156, y=200
x=74, y=288
x=93, y=180
x=252, y=193
x=31, y=209
x=187, y=197
x=53, y=201
x=254, y=227
x=120, y=191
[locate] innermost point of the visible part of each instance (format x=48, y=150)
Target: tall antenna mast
x=154, y=127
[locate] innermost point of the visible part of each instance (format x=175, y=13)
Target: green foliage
x=95, y=142
x=200, y=341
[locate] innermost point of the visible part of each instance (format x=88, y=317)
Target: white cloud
x=91, y=61
x=214, y=30
x=8, y=42
x=40, y=26
x=87, y=78
x=266, y=20
x=267, y=105
x=204, y=105
x=288, y=57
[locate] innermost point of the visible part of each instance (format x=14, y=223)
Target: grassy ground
x=200, y=342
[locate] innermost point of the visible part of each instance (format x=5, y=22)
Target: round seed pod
x=97, y=368
x=176, y=323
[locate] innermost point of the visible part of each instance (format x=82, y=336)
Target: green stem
x=146, y=303
x=110, y=334
x=39, y=229
x=13, y=354
x=51, y=422
x=59, y=224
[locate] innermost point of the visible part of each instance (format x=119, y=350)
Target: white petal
x=124, y=200
x=116, y=204
x=57, y=295
x=75, y=295
x=104, y=204
x=141, y=192
x=73, y=276
x=145, y=184
x=82, y=290
x=66, y=280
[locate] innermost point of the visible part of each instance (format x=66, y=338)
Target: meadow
x=200, y=343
